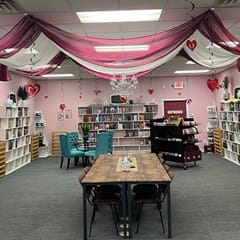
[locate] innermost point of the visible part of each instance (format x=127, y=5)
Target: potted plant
x=85, y=129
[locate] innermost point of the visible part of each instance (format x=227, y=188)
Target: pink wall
x=12, y=86
x=75, y=93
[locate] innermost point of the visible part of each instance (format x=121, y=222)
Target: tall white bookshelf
x=230, y=121
x=15, y=131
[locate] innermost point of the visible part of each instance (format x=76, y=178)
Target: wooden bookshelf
x=217, y=136
x=2, y=158
x=34, y=146
x=56, y=151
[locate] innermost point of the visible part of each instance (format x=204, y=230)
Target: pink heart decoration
x=212, y=84
x=191, y=44
x=32, y=90
x=62, y=106
x=123, y=99
x=150, y=91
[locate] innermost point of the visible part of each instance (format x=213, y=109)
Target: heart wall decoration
x=32, y=89
x=150, y=91
x=212, y=84
x=192, y=44
x=62, y=106
x=96, y=91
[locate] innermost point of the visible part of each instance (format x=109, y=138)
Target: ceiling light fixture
x=124, y=85
x=190, y=62
x=120, y=16
x=191, y=71
x=122, y=48
x=58, y=75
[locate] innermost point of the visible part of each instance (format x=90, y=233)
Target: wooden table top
x=149, y=169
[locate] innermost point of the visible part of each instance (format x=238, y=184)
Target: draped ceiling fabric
x=34, y=47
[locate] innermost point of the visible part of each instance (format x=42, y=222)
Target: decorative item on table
x=125, y=164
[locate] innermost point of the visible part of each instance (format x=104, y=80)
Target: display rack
x=212, y=123
x=40, y=128
x=130, y=123
x=175, y=140
x=14, y=130
x=230, y=121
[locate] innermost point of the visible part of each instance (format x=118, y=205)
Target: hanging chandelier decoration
x=123, y=84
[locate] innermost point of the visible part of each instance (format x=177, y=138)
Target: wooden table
x=104, y=171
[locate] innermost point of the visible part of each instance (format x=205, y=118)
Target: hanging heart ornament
x=62, y=106
x=150, y=91
x=192, y=44
x=212, y=84
x=32, y=89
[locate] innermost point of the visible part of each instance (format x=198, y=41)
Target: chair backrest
x=102, y=143
x=73, y=139
x=64, y=146
x=110, y=140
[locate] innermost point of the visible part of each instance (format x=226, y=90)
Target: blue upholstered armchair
x=67, y=152
x=73, y=139
x=104, y=141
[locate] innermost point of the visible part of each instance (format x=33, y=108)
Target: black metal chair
x=98, y=196
x=150, y=194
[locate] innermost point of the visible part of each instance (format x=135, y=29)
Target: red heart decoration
x=191, y=44
x=123, y=99
x=46, y=96
x=212, y=84
x=32, y=90
x=150, y=91
x=96, y=91
x=62, y=106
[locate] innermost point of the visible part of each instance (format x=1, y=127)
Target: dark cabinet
x=175, y=140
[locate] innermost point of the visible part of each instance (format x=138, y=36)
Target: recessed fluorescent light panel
x=191, y=71
x=58, y=75
x=121, y=48
x=190, y=62
x=120, y=16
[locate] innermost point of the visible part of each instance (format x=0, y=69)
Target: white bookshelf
x=15, y=131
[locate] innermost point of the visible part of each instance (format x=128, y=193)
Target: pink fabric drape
x=22, y=35
x=81, y=48
x=4, y=74
x=56, y=61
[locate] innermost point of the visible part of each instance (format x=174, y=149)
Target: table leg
x=169, y=211
x=129, y=196
x=84, y=213
x=124, y=211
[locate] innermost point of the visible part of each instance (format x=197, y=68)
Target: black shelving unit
x=175, y=140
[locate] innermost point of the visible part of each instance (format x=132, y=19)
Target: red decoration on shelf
x=123, y=99
x=46, y=96
x=62, y=106
x=150, y=91
x=96, y=91
x=212, y=84
x=191, y=44
x=32, y=90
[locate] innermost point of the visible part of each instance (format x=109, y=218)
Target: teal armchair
x=67, y=152
x=73, y=140
x=103, y=145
